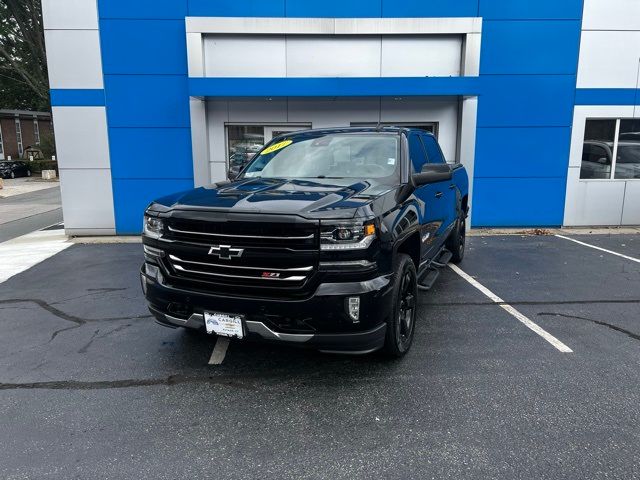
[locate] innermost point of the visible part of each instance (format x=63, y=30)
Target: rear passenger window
x=434, y=153
x=416, y=152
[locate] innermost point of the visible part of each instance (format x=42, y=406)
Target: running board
x=428, y=278
x=430, y=275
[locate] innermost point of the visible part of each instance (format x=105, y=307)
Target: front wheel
x=401, y=325
x=456, y=241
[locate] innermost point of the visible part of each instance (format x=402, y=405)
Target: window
x=416, y=152
x=611, y=149
x=334, y=155
x=19, y=137
x=434, y=154
x=36, y=131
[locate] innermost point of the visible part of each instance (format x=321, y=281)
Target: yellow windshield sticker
x=276, y=146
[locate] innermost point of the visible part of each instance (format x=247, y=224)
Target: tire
x=457, y=240
x=401, y=325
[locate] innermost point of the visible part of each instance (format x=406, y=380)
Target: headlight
x=346, y=235
x=153, y=226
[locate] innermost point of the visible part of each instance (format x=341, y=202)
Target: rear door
x=429, y=196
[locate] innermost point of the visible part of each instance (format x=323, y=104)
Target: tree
x=24, y=82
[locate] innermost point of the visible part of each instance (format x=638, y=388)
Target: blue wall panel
x=429, y=8
x=333, y=8
x=530, y=47
x=148, y=9
x=144, y=46
x=522, y=152
x=518, y=202
x=145, y=152
x=71, y=97
x=132, y=196
x=526, y=101
x=607, y=96
x=237, y=8
x=147, y=101
x=528, y=9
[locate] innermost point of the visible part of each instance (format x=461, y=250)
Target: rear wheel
x=456, y=241
x=401, y=325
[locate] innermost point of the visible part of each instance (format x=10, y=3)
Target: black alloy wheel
x=401, y=326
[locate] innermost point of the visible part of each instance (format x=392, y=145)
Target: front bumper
x=318, y=322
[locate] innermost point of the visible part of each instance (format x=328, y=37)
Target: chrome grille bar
x=242, y=277
x=264, y=269
x=226, y=235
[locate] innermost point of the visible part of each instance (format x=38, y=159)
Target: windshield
x=339, y=155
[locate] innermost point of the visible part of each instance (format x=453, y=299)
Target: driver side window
x=416, y=152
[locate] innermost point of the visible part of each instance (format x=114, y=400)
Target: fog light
x=353, y=308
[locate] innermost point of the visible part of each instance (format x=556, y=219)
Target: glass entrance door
x=244, y=141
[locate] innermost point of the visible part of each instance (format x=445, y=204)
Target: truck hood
x=341, y=197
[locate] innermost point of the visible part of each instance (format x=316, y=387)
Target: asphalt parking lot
x=91, y=387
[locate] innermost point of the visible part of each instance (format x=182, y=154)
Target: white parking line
x=22, y=253
x=600, y=248
x=512, y=311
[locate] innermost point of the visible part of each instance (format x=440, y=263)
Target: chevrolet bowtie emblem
x=226, y=252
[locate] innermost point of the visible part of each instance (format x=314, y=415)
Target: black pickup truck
x=323, y=240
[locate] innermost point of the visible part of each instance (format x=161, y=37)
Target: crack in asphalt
x=635, y=336
x=66, y=316
x=225, y=380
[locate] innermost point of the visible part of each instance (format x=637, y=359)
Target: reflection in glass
x=628, y=156
x=597, y=150
x=244, y=141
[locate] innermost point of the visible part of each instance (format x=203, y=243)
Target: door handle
x=439, y=194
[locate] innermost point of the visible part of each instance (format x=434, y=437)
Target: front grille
x=248, y=258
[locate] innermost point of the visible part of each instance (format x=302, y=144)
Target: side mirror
x=432, y=173
x=603, y=160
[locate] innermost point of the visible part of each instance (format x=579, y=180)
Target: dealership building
x=539, y=100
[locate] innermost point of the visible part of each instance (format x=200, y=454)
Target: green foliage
x=47, y=145
x=23, y=65
x=38, y=166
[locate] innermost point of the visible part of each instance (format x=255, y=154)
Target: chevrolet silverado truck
x=323, y=240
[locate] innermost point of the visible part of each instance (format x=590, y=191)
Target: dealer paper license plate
x=223, y=324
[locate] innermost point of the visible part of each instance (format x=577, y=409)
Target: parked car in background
x=11, y=169
x=322, y=241
x=597, y=159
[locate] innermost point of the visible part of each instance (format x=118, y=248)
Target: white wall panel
x=609, y=59
x=328, y=112
x=631, y=210
x=245, y=56
x=70, y=14
x=592, y=202
x=327, y=56
x=420, y=56
x=611, y=15
x=333, y=56
x=444, y=112
x=81, y=137
x=87, y=199
x=74, y=59
x=252, y=111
